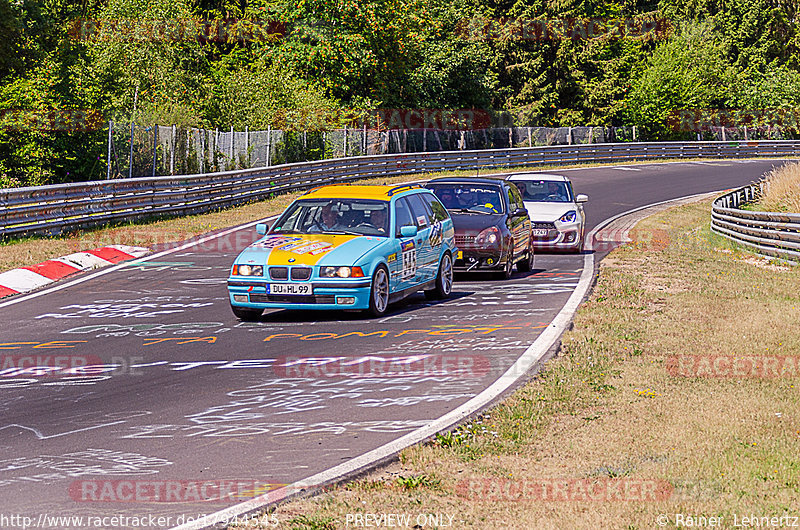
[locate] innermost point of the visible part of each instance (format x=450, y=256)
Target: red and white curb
x=27, y=279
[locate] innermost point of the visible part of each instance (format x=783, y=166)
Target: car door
x=427, y=258
x=438, y=216
x=520, y=226
x=403, y=259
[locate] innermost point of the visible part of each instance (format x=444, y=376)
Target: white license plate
x=290, y=288
x=540, y=231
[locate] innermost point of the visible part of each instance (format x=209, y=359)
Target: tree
x=686, y=72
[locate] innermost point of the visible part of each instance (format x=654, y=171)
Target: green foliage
x=686, y=72
x=262, y=95
x=354, y=47
x=338, y=56
x=164, y=76
x=412, y=482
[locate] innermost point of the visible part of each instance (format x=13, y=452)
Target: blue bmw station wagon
x=347, y=247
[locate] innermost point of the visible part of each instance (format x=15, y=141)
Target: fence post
x=425, y=139
x=569, y=136
x=202, y=149
x=133, y=116
x=155, y=148
x=215, y=148
x=130, y=155
x=635, y=136
x=247, y=144
x=745, y=134
x=172, y=151
x=230, y=151
x=108, y=169
x=364, y=138
x=723, y=134
x=269, y=144
x=345, y=141
x=530, y=138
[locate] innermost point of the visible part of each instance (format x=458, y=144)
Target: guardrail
x=63, y=207
x=771, y=233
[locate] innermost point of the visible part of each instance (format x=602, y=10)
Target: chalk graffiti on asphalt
x=126, y=309
x=87, y=462
x=271, y=428
x=291, y=396
x=481, y=330
x=146, y=329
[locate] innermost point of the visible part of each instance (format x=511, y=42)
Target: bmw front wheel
x=379, y=296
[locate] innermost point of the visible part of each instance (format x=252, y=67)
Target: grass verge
x=653, y=439
x=18, y=252
x=781, y=190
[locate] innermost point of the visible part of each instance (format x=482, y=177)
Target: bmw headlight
x=248, y=270
x=341, y=272
x=569, y=217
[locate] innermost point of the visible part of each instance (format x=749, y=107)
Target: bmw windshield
x=335, y=216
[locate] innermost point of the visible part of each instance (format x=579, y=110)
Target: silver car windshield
x=335, y=216
x=544, y=190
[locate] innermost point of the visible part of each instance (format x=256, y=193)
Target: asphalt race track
x=183, y=393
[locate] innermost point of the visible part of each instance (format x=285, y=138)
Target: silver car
x=556, y=213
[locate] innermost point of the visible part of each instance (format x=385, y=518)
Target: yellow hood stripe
x=305, y=249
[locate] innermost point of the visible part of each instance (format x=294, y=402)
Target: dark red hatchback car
x=493, y=230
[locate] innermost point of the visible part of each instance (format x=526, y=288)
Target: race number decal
x=409, y=260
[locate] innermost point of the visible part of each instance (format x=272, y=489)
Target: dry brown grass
x=781, y=190
x=607, y=406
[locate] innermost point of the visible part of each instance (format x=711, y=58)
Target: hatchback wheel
x=525, y=265
x=444, y=279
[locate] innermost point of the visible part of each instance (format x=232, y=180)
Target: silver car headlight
x=569, y=217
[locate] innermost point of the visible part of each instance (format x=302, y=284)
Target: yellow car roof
x=345, y=191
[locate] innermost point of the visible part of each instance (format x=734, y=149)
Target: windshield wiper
x=470, y=210
x=342, y=232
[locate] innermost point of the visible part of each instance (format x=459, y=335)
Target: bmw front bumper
x=326, y=295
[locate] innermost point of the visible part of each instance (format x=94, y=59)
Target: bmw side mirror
x=408, y=231
x=261, y=228
x=582, y=198
x=520, y=212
